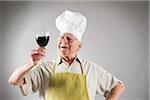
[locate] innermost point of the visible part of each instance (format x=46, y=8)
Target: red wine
x=42, y=41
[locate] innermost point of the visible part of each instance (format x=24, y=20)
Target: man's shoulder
x=89, y=63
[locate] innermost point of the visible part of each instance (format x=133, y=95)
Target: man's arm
x=116, y=92
x=17, y=77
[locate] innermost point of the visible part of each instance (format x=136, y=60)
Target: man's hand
x=37, y=54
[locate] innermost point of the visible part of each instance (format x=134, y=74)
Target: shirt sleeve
x=105, y=81
x=36, y=79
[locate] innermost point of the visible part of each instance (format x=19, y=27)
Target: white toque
x=71, y=22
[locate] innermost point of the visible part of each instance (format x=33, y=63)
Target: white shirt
x=98, y=80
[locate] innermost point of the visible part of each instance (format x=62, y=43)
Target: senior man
x=68, y=77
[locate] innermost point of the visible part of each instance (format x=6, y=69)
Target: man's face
x=68, y=45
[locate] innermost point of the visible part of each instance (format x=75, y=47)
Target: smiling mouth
x=63, y=47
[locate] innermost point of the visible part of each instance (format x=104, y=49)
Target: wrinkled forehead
x=70, y=35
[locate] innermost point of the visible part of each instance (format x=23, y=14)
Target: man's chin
x=63, y=54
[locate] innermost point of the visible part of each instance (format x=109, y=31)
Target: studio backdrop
x=116, y=38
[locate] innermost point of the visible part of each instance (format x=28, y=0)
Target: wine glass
x=42, y=37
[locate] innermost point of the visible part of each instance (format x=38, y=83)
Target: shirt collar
x=59, y=60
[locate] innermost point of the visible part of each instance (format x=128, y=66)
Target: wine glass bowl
x=42, y=38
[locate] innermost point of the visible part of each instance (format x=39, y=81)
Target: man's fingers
x=38, y=52
x=36, y=57
x=42, y=49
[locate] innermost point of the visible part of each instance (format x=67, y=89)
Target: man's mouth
x=64, y=47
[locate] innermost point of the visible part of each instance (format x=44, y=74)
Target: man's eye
x=68, y=39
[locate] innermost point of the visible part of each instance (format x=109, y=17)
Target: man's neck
x=69, y=60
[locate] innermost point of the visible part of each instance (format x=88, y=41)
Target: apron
x=67, y=86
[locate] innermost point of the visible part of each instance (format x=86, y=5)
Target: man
x=68, y=77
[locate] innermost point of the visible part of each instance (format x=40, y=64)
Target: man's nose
x=64, y=40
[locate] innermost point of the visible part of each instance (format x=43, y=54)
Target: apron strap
x=80, y=66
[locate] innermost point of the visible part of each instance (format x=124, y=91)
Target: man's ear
x=80, y=45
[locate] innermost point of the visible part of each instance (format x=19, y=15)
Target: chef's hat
x=71, y=22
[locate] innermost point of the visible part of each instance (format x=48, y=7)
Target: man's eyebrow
x=72, y=38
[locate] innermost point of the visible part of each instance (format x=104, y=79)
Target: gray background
x=116, y=38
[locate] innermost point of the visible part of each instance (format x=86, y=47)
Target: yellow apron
x=67, y=86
